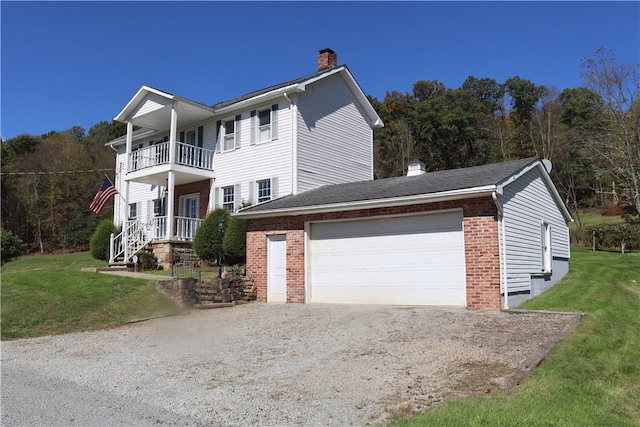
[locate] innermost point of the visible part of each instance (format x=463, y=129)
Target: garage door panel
x=394, y=260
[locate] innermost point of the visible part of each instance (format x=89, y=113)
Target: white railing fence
x=158, y=154
x=136, y=235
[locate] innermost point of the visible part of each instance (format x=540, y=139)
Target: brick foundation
x=480, y=237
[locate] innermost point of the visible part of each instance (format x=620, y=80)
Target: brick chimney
x=327, y=58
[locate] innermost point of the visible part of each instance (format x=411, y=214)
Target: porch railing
x=158, y=154
x=137, y=234
x=186, y=227
x=133, y=237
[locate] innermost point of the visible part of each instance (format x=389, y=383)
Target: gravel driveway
x=259, y=364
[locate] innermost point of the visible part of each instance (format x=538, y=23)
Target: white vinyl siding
x=334, y=136
x=260, y=161
x=140, y=194
x=527, y=204
x=151, y=103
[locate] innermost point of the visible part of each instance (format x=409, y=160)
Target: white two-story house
x=185, y=158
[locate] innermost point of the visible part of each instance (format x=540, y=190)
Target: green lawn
x=592, y=377
x=48, y=295
x=592, y=218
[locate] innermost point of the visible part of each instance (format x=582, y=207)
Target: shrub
x=234, y=242
x=147, y=260
x=10, y=245
x=612, y=209
x=625, y=236
x=206, y=242
x=99, y=243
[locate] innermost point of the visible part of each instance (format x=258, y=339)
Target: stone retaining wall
x=188, y=292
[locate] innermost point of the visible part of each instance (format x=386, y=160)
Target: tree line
x=591, y=134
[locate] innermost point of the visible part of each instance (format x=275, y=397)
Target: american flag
x=107, y=190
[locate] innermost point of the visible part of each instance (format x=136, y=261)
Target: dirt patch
x=272, y=365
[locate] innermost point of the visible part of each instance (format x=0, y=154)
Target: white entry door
x=277, y=268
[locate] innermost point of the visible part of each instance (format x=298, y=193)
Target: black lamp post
x=220, y=234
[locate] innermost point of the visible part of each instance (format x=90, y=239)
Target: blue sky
x=78, y=63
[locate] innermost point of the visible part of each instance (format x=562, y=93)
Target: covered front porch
x=167, y=152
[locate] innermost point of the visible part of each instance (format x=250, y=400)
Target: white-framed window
x=228, y=198
x=133, y=210
x=264, y=190
x=545, y=231
x=190, y=137
x=189, y=205
x=159, y=207
x=264, y=125
x=229, y=137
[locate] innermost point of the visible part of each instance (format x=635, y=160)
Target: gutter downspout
x=504, y=288
x=294, y=143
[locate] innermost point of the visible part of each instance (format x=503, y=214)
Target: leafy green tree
x=207, y=242
x=524, y=97
x=234, y=242
x=11, y=246
x=99, y=244
x=617, y=144
x=78, y=231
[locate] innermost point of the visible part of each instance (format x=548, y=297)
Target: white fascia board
x=139, y=96
x=444, y=196
x=376, y=121
x=123, y=139
x=554, y=192
x=265, y=97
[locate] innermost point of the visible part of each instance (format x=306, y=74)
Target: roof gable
x=299, y=85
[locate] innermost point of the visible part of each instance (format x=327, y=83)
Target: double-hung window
x=264, y=125
x=133, y=210
x=229, y=139
x=264, y=190
x=545, y=231
x=228, y=198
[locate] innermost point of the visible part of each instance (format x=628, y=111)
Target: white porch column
x=125, y=213
x=128, y=146
x=212, y=203
x=171, y=183
x=173, y=131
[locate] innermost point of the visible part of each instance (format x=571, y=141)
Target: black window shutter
x=218, y=126
x=274, y=121
x=253, y=127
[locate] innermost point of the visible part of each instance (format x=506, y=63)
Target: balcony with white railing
x=159, y=154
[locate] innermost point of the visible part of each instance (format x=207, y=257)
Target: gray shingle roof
x=405, y=186
x=250, y=95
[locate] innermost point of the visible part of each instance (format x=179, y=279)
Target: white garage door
x=404, y=260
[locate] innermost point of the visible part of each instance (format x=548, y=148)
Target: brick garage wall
x=480, y=237
x=201, y=187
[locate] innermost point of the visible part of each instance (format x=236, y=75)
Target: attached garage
x=486, y=237
x=403, y=260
